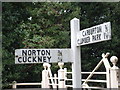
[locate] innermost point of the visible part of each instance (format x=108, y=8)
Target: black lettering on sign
x=88, y=32
x=83, y=33
x=106, y=28
x=106, y=36
x=34, y=59
x=59, y=55
x=44, y=59
x=99, y=29
x=48, y=52
x=78, y=41
x=49, y=58
x=96, y=37
x=34, y=56
x=40, y=59
x=91, y=31
x=24, y=52
x=33, y=52
x=29, y=52
x=24, y=59
x=19, y=59
x=43, y=52
x=29, y=59
x=38, y=51
x=85, y=40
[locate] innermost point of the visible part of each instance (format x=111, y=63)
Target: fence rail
x=69, y=85
x=93, y=73
x=68, y=72
x=90, y=80
x=28, y=84
x=100, y=88
x=15, y=84
x=69, y=79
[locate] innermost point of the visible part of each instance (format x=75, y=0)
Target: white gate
x=112, y=74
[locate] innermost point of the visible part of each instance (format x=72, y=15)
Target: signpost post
x=76, y=56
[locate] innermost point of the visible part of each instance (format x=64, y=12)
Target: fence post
x=45, y=79
x=107, y=66
x=61, y=79
x=114, y=72
x=14, y=85
x=55, y=80
x=65, y=73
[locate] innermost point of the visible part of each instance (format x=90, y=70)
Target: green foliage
x=47, y=25
x=47, y=28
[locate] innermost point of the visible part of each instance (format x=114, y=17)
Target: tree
x=12, y=16
x=39, y=25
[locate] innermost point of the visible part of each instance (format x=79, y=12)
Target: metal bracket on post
x=76, y=53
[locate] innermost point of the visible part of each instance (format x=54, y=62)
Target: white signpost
x=76, y=53
x=28, y=56
x=94, y=34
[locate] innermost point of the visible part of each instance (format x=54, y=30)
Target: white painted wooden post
x=65, y=73
x=55, y=80
x=61, y=79
x=107, y=66
x=76, y=53
x=45, y=79
x=114, y=72
x=14, y=85
x=50, y=75
x=65, y=76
